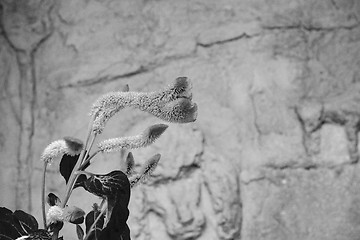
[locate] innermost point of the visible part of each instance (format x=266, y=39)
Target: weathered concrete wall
x=274, y=152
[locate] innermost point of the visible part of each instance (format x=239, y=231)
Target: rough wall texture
x=274, y=152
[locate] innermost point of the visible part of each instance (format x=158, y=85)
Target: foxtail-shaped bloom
x=147, y=169
x=172, y=104
x=147, y=137
x=68, y=145
x=129, y=164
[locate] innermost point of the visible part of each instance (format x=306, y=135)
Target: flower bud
x=74, y=215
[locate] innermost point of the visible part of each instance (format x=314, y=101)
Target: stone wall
x=274, y=152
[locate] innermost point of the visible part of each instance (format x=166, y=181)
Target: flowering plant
x=108, y=219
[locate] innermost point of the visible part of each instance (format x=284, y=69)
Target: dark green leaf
x=79, y=220
x=8, y=231
x=90, y=219
x=40, y=234
x=67, y=164
x=80, y=181
x=53, y=200
x=28, y=222
x=10, y=224
x=4, y=237
x=6, y=215
x=79, y=232
x=56, y=225
x=109, y=185
x=117, y=228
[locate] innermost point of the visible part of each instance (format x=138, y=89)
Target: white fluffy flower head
x=70, y=146
x=54, y=214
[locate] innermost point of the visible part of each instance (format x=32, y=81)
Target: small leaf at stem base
x=53, y=200
x=79, y=232
x=67, y=164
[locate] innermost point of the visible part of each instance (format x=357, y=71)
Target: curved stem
x=74, y=176
x=89, y=149
x=43, y=195
x=77, y=167
x=72, y=179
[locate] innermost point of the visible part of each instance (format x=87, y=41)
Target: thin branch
x=89, y=149
x=96, y=220
x=74, y=176
x=43, y=194
x=88, y=160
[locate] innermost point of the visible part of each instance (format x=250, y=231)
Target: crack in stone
x=8, y=95
x=310, y=137
x=288, y=167
x=310, y=28
x=106, y=78
x=308, y=166
x=140, y=70
x=2, y=29
x=255, y=121
x=225, y=41
x=304, y=166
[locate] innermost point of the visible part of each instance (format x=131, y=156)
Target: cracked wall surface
x=274, y=153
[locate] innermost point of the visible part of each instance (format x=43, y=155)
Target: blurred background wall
x=274, y=152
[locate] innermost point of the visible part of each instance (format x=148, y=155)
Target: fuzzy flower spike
x=68, y=145
x=172, y=104
x=147, y=137
x=146, y=171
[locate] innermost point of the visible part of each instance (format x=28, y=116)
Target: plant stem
x=74, y=176
x=55, y=235
x=43, y=194
x=96, y=220
x=72, y=179
x=88, y=160
x=91, y=144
